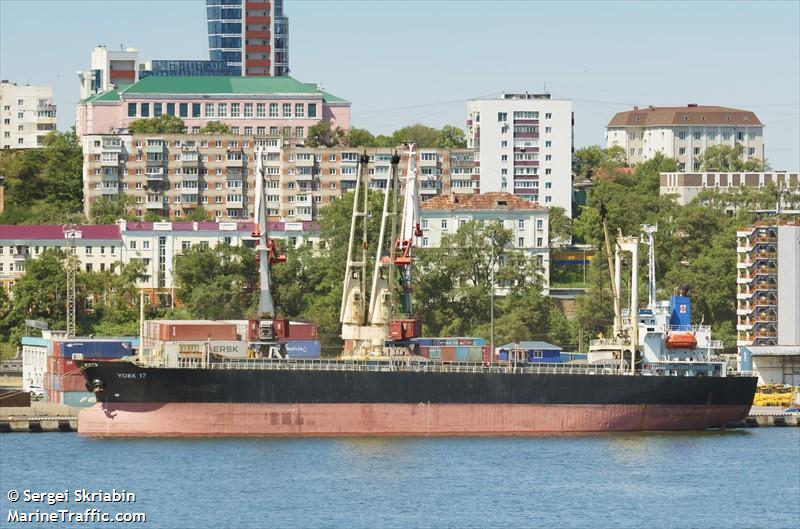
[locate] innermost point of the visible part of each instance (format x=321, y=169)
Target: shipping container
x=448, y=353
x=229, y=349
x=73, y=383
x=96, y=349
x=197, y=331
x=78, y=399
x=299, y=330
x=301, y=348
x=486, y=353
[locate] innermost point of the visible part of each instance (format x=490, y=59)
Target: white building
x=686, y=186
x=524, y=144
x=35, y=351
x=108, y=69
x=28, y=115
x=528, y=222
x=684, y=133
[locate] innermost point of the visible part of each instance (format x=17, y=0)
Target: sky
x=403, y=62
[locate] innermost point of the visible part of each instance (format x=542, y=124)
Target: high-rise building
x=768, y=295
x=524, y=144
x=684, y=133
x=109, y=69
x=172, y=175
x=28, y=115
x=249, y=35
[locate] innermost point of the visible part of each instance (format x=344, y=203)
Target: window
x=504, y=158
x=521, y=224
x=548, y=143
x=696, y=150
x=444, y=224
x=170, y=109
x=234, y=110
x=299, y=110
x=682, y=135
x=424, y=224
x=248, y=110
x=261, y=130
x=248, y=131
x=539, y=224
x=548, y=115
x=287, y=110
x=88, y=250
x=681, y=151
x=424, y=242
x=751, y=151
x=133, y=245
x=502, y=116
x=209, y=110
x=273, y=110
x=298, y=132
x=222, y=109
x=712, y=135
x=195, y=110
x=520, y=242
x=312, y=110
x=184, y=110
x=548, y=157
x=131, y=110
x=503, y=143
x=548, y=130
x=740, y=136
x=548, y=185
x=157, y=109
x=697, y=135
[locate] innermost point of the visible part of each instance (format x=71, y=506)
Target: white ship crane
x=385, y=324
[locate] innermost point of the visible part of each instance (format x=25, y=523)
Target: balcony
x=256, y=48
x=154, y=173
x=304, y=161
x=526, y=135
x=21, y=253
x=256, y=34
x=154, y=204
x=189, y=200
x=109, y=161
x=153, y=159
x=155, y=147
x=234, y=162
x=255, y=63
x=189, y=159
x=108, y=191
x=304, y=177
x=112, y=145
x=234, y=201
x=110, y=175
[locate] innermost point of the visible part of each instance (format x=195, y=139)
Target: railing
x=609, y=341
x=402, y=365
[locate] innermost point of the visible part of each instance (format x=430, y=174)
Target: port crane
x=387, y=323
x=266, y=343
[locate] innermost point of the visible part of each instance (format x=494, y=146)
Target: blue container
x=435, y=353
x=462, y=353
x=302, y=349
x=504, y=356
x=680, y=313
x=97, y=349
x=78, y=399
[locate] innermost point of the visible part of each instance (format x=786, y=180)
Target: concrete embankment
x=39, y=417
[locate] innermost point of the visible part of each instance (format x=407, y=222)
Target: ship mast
x=651, y=265
x=266, y=251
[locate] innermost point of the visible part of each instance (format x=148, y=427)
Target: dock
x=761, y=416
x=38, y=418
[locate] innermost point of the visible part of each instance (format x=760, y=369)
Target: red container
x=405, y=329
x=486, y=353
x=197, y=331
x=448, y=353
x=302, y=331
x=74, y=382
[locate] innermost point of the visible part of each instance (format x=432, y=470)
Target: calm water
x=716, y=479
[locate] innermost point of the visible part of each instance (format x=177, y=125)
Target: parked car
x=36, y=391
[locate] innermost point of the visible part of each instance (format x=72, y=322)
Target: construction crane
x=267, y=256
x=71, y=265
x=384, y=326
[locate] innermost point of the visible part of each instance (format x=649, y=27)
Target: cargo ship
x=650, y=375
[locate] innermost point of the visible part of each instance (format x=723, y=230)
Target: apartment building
x=97, y=247
x=157, y=244
x=524, y=144
x=768, y=285
x=528, y=222
x=28, y=115
x=251, y=36
x=249, y=105
x=684, y=133
x=172, y=175
x=686, y=186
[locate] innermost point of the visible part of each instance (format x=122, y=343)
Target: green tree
x=725, y=158
x=198, y=214
x=215, y=127
x=323, y=135
x=163, y=124
x=450, y=137
x=421, y=135
x=360, y=138
x=219, y=282
x=108, y=211
x=560, y=226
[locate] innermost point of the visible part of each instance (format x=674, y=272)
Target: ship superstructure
x=659, y=339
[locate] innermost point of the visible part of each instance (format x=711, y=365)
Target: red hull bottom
x=296, y=420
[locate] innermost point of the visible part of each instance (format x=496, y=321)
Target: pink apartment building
x=249, y=105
